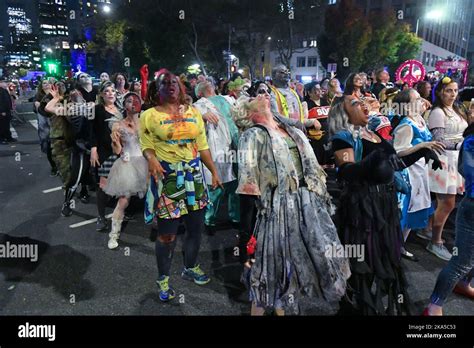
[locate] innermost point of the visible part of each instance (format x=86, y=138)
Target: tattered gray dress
x=294, y=229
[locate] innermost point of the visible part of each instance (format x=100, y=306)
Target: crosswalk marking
x=86, y=222
x=34, y=123
x=53, y=189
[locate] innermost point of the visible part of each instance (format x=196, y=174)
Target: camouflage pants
x=62, y=157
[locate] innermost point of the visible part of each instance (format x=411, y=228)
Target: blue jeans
x=461, y=264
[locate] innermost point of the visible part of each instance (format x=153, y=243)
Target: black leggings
x=80, y=164
x=194, y=222
x=102, y=200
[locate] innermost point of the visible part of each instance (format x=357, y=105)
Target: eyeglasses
x=263, y=91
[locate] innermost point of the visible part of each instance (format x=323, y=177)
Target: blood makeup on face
x=133, y=104
x=168, y=89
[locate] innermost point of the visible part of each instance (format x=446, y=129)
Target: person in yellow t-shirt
x=173, y=140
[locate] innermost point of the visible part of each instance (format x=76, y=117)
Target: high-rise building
x=85, y=16
x=54, y=32
x=444, y=25
x=20, y=44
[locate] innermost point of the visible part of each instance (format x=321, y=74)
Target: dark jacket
x=5, y=102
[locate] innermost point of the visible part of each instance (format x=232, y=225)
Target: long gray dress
x=294, y=229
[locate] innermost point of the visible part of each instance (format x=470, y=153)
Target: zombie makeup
x=84, y=79
x=104, y=77
x=168, y=88
x=132, y=103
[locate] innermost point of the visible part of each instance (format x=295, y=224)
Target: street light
x=106, y=9
x=433, y=15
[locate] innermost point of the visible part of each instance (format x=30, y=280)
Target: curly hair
x=240, y=113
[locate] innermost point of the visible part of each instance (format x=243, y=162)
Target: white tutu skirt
x=128, y=178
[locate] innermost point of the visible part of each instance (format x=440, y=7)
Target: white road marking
x=14, y=133
x=86, y=222
x=53, y=189
x=34, y=123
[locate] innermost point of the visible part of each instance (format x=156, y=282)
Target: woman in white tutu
x=128, y=176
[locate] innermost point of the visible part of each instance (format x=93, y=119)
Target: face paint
x=133, y=104
x=85, y=79
x=104, y=77
x=168, y=88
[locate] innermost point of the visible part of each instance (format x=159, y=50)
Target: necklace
x=110, y=108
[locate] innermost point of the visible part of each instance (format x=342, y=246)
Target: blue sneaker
x=166, y=292
x=196, y=275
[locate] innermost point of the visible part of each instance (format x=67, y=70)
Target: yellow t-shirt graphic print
x=174, y=138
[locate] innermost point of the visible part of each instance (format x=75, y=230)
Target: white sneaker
x=114, y=235
x=113, y=241
x=439, y=250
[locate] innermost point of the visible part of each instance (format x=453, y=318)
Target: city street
x=76, y=274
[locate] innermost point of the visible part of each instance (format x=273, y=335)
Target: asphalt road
x=76, y=274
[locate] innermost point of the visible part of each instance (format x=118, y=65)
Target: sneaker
x=84, y=197
x=408, y=255
x=66, y=210
x=439, y=250
x=427, y=235
x=166, y=292
x=54, y=172
x=195, y=274
x=424, y=235
x=101, y=223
